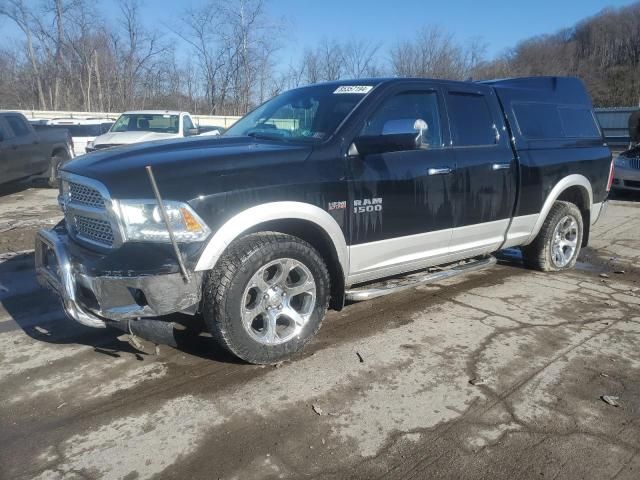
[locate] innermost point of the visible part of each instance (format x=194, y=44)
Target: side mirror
x=191, y=131
x=376, y=144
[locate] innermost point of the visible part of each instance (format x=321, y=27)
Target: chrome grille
x=93, y=229
x=635, y=163
x=85, y=195
x=87, y=211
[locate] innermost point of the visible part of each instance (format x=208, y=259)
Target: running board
x=403, y=283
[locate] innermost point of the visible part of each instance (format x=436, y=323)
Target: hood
x=124, y=138
x=189, y=168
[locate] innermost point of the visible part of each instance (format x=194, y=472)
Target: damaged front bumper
x=97, y=300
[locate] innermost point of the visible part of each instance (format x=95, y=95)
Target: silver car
x=627, y=170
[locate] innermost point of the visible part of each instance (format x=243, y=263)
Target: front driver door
x=400, y=205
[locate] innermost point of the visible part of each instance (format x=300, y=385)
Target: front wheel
x=266, y=297
x=558, y=243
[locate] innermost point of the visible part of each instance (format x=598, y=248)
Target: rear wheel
x=266, y=297
x=558, y=243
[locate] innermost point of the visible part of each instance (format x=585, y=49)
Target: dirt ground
x=497, y=375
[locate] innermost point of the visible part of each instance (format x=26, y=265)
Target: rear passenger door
x=484, y=188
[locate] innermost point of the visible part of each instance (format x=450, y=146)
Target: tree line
x=224, y=57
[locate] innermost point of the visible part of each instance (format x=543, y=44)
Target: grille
x=94, y=230
x=632, y=183
x=84, y=195
x=635, y=163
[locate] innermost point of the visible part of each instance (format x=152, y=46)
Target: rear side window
x=539, y=121
x=471, y=120
x=578, y=123
x=188, y=124
x=18, y=126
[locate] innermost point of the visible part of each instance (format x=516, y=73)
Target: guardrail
x=205, y=120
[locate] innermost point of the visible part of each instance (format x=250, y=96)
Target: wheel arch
x=303, y=220
x=59, y=149
x=576, y=189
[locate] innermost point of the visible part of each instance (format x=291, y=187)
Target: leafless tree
x=360, y=58
x=19, y=13
x=67, y=56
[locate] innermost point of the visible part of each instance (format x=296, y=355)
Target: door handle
x=439, y=171
x=500, y=166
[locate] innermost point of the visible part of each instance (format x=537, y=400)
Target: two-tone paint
x=437, y=205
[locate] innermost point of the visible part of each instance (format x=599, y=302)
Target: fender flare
x=266, y=212
x=567, y=182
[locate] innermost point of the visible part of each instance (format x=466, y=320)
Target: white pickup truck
x=145, y=126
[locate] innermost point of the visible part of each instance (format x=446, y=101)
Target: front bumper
x=626, y=178
x=96, y=300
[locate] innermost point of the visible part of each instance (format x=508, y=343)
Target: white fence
x=204, y=120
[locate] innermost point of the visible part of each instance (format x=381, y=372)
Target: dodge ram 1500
x=315, y=195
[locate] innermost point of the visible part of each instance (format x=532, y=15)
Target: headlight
x=142, y=221
x=621, y=161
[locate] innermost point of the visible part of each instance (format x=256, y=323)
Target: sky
x=500, y=24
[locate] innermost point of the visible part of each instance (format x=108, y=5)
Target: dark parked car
x=627, y=164
x=319, y=192
x=27, y=153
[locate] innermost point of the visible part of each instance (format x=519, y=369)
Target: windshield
x=309, y=114
x=147, y=122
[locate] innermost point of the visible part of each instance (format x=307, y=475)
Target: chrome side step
x=403, y=283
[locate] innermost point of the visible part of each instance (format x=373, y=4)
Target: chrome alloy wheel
x=564, y=241
x=278, y=301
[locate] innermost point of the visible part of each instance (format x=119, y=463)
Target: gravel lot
x=498, y=374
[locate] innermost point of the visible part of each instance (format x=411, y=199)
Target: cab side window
x=408, y=112
x=18, y=126
x=471, y=120
x=188, y=124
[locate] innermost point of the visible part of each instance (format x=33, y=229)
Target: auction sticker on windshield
x=362, y=89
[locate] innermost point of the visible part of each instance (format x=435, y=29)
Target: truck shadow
x=26, y=306
x=11, y=188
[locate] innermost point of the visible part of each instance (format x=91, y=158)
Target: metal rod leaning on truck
x=165, y=218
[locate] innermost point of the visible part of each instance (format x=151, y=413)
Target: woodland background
x=69, y=58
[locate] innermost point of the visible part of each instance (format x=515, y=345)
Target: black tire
x=52, y=176
x=225, y=287
x=538, y=254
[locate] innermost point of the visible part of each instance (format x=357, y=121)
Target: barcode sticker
x=361, y=89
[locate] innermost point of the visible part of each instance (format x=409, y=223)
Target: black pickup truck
x=310, y=199
x=27, y=153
